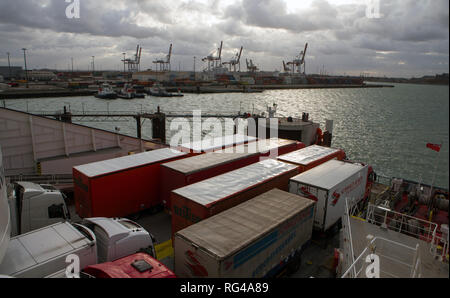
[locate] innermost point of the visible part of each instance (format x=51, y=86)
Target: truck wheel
x=294, y=264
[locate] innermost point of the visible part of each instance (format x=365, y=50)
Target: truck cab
x=139, y=265
x=119, y=237
x=33, y=206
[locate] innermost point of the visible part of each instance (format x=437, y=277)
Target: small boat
x=106, y=92
x=128, y=92
x=159, y=91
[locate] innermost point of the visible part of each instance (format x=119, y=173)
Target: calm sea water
x=385, y=127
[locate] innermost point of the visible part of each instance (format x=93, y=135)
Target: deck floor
x=430, y=267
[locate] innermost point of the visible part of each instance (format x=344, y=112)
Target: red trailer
x=139, y=265
x=121, y=186
x=312, y=156
x=195, y=202
x=214, y=144
x=189, y=170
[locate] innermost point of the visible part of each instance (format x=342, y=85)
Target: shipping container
x=311, y=156
x=195, y=202
x=120, y=186
x=258, y=238
x=330, y=185
x=193, y=169
x=213, y=144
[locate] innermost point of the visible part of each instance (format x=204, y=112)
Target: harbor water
x=385, y=127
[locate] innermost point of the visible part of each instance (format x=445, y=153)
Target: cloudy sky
x=408, y=38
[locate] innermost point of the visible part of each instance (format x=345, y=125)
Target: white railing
x=379, y=259
x=348, y=240
x=402, y=223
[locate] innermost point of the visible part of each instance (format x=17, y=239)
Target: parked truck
x=43, y=252
x=33, y=206
x=121, y=186
x=139, y=265
x=195, y=202
x=262, y=237
x=182, y=172
x=330, y=185
x=312, y=156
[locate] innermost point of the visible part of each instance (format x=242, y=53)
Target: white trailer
x=43, y=252
x=330, y=184
x=258, y=238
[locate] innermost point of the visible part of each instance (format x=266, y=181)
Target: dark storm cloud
x=273, y=14
x=96, y=18
x=410, y=37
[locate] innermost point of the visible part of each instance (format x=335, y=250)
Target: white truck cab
x=119, y=237
x=33, y=206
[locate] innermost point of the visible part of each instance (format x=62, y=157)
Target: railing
x=374, y=262
x=402, y=223
x=348, y=241
x=43, y=179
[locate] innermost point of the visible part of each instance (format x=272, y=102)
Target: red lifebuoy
x=319, y=139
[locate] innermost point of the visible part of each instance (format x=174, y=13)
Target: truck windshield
x=129, y=225
x=83, y=230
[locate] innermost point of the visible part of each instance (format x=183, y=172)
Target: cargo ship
x=402, y=222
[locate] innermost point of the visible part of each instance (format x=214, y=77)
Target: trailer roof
x=210, y=190
x=328, y=174
x=210, y=159
x=307, y=155
x=30, y=249
x=127, y=162
x=260, y=146
x=229, y=231
x=212, y=144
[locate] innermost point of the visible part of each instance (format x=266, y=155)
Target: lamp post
x=124, y=62
x=9, y=67
x=93, y=65
x=194, y=69
x=25, y=59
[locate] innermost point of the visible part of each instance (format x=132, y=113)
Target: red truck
x=139, y=265
x=121, y=186
x=312, y=156
x=182, y=172
x=195, y=202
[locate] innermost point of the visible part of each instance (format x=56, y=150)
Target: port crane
x=286, y=68
x=214, y=61
x=250, y=66
x=164, y=64
x=235, y=61
x=134, y=64
x=298, y=62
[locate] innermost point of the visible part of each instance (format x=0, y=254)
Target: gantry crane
x=134, y=64
x=235, y=61
x=214, y=61
x=164, y=64
x=250, y=66
x=298, y=62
